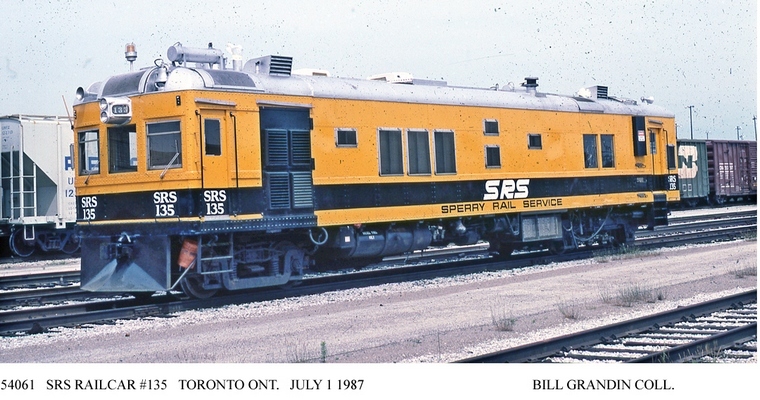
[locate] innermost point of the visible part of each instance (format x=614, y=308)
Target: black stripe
x=192, y=202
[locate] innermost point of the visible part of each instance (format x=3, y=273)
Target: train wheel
x=501, y=250
x=72, y=244
x=192, y=286
x=20, y=246
x=557, y=247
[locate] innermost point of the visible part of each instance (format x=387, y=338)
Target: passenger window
x=391, y=157
x=213, y=137
x=122, y=149
x=418, y=151
x=534, y=141
x=89, y=161
x=493, y=157
x=589, y=151
x=345, y=137
x=608, y=151
x=164, y=145
x=445, y=156
x=491, y=127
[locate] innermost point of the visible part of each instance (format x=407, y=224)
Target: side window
x=491, y=127
x=89, y=161
x=589, y=151
x=608, y=151
x=653, y=141
x=418, y=151
x=122, y=149
x=391, y=157
x=534, y=141
x=671, y=156
x=345, y=137
x=493, y=157
x=445, y=156
x=164, y=145
x=213, y=137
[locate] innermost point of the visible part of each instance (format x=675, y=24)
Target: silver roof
x=183, y=78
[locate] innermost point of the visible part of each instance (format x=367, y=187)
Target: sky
x=681, y=52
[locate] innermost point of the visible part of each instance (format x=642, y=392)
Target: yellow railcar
x=208, y=178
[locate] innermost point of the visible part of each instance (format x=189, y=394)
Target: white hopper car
x=37, y=199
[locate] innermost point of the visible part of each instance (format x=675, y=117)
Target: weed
x=502, y=318
x=570, y=309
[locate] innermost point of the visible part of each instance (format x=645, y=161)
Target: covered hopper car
x=37, y=198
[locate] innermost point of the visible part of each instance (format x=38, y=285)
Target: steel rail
x=536, y=351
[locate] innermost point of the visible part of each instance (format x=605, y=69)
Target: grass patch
x=501, y=316
x=621, y=253
x=632, y=293
x=745, y=272
x=570, y=309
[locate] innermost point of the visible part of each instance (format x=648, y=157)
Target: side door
x=216, y=149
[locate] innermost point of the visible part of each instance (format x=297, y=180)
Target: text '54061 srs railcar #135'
x=191, y=174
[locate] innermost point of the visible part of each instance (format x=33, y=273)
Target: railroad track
x=38, y=319
x=680, y=335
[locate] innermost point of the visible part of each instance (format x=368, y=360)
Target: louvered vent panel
x=302, y=192
x=279, y=190
x=601, y=92
x=277, y=147
x=301, y=147
x=280, y=65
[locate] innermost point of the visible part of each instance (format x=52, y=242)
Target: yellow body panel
x=561, y=153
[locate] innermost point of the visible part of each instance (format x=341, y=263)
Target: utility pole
x=754, y=119
x=737, y=132
x=691, y=125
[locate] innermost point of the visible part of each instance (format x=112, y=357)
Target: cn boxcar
x=37, y=200
x=246, y=177
x=717, y=171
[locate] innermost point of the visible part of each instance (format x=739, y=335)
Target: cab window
x=164, y=145
x=89, y=161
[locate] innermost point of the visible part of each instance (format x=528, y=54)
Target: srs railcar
x=717, y=171
x=37, y=201
x=247, y=176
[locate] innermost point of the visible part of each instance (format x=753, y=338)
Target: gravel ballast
x=438, y=320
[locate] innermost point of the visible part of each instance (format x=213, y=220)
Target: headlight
x=115, y=110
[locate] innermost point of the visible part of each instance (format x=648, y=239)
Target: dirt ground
x=435, y=321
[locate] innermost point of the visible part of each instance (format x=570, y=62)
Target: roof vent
x=272, y=65
x=530, y=82
x=393, y=77
x=593, y=92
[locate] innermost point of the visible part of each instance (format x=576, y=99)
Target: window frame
x=611, y=149
x=83, y=143
x=442, y=162
x=177, y=163
x=217, y=135
x=594, y=154
x=117, y=147
x=488, y=121
x=498, y=154
x=380, y=153
x=531, y=145
x=412, y=155
x=337, y=137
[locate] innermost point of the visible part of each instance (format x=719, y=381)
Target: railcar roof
x=185, y=78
